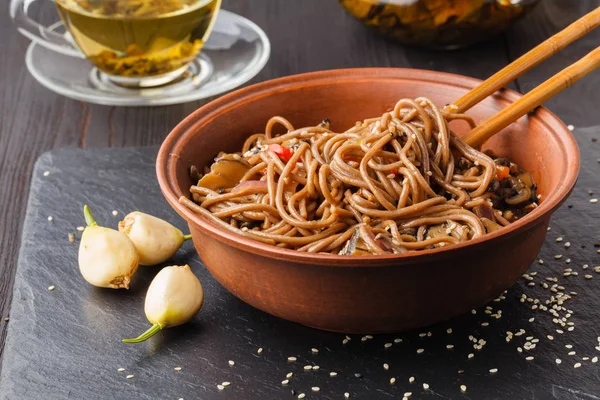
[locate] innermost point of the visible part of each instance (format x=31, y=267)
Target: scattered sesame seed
x=392, y=381
x=558, y=256
x=577, y=365
x=129, y=377
x=358, y=375
x=50, y=218
x=260, y=350
x=594, y=200
x=550, y=337
x=595, y=359
x=531, y=319
x=46, y=173
x=463, y=388
x=485, y=324
x=346, y=395
x=419, y=351
x=121, y=369
x=316, y=367
x=177, y=368
x=570, y=127
x=425, y=386
x=315, y=388
x=80, y=229
x=529, y=358
x=569, y=346
x=411, y=379
x=449, y=346
x=471, y=355
x=115, y=213
x=585, y=358
x=308, y=367
x=407, y=394
x=387, y=345
x=572, y=353
x=397, y=340
x=345, y=341
x=301, y=396
x=588, y=276
x=493, y=370
x=231, y=362
x=449, y=330
x=559, y=239
x=558, y=360
x=473, y=311
x=226, y=384
x=292, y=358
x=568, y=244
x=289, y=375
x=422, y=334
x=51, y=288
x=71, y=237
x=314, y=350
x=386, y=366
x=332, y=374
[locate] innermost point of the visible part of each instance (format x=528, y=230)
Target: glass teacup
x=136, y=43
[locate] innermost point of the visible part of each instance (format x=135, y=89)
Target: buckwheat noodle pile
x=399, y=182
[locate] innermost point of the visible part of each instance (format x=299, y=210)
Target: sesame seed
x=529, y=358
x=226, y=384
x=422, y=334
x=540, y=261
x=558, y=361
x=425, y=386
x=595, y=359
x=232, y=363
x=357, y=375
x=121, y=369
x=260, y=350
x=411, y=379
x=449, y=346
x=558, y=256
x=392, y=381
x=387, y=345
x=485, y=324
x=386, y=366
x=289, y=375
x=471, y=355
x=332, y=374
x=407, y=394
x=559, y=239
x=51, y=288
x=346, y=395
x=473, y=311
x=550, y=337
x=577, y=365
x=397, y=340
x=46, y=173
x=71, y=237
x=449, y=330
x=493, y=370
x=569, y=346
x=316, y=367
x=419, y=351
x=80, y=229
x=115, y=213
x=314, y=350
x=570, y=127
x=129, y=377
x=531, y=319
x=369, y=336
x=50, y=218
x=588, y=276
x=285, y=382
x=345, y=341
x=292, y=358
x=463, y=388
x=308, y=367
x=568, y=244
x=572, y=353
x=594, y=200
x=177, y=368
x=585, y=358
x=301, y=396
x=315, y=388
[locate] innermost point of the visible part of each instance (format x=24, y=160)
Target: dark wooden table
x=306, y=35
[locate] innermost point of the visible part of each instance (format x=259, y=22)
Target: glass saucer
x=235, y=52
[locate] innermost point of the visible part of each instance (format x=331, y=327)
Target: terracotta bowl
x=369, y=294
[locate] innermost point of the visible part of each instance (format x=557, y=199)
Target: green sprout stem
x=153, y=330
x=89, y=218
x=187, y=237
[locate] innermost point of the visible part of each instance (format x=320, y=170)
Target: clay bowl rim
x=168, y=155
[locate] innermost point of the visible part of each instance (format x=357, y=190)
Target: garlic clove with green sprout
x=155, y=239
x=174, y=297
x=107, y=258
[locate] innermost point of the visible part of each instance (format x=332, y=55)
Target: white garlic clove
x=107, y=258
x=174, y=297
x=155, y=239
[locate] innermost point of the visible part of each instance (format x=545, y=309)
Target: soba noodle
x=399, y=182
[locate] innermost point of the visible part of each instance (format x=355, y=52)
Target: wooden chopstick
x=559, y=82
x=526, y=62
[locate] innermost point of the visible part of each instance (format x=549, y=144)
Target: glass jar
x=440, y=24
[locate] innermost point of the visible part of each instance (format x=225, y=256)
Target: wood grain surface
x=306, y=35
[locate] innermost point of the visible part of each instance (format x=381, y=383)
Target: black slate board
x=65, y=344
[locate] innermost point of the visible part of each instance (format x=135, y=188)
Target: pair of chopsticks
x=559, y=82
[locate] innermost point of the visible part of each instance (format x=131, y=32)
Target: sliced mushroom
x=355, y=246
x=523, y=195
x=226, y=172
x=326, y=123
x=526, y=178
x=490, y=226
